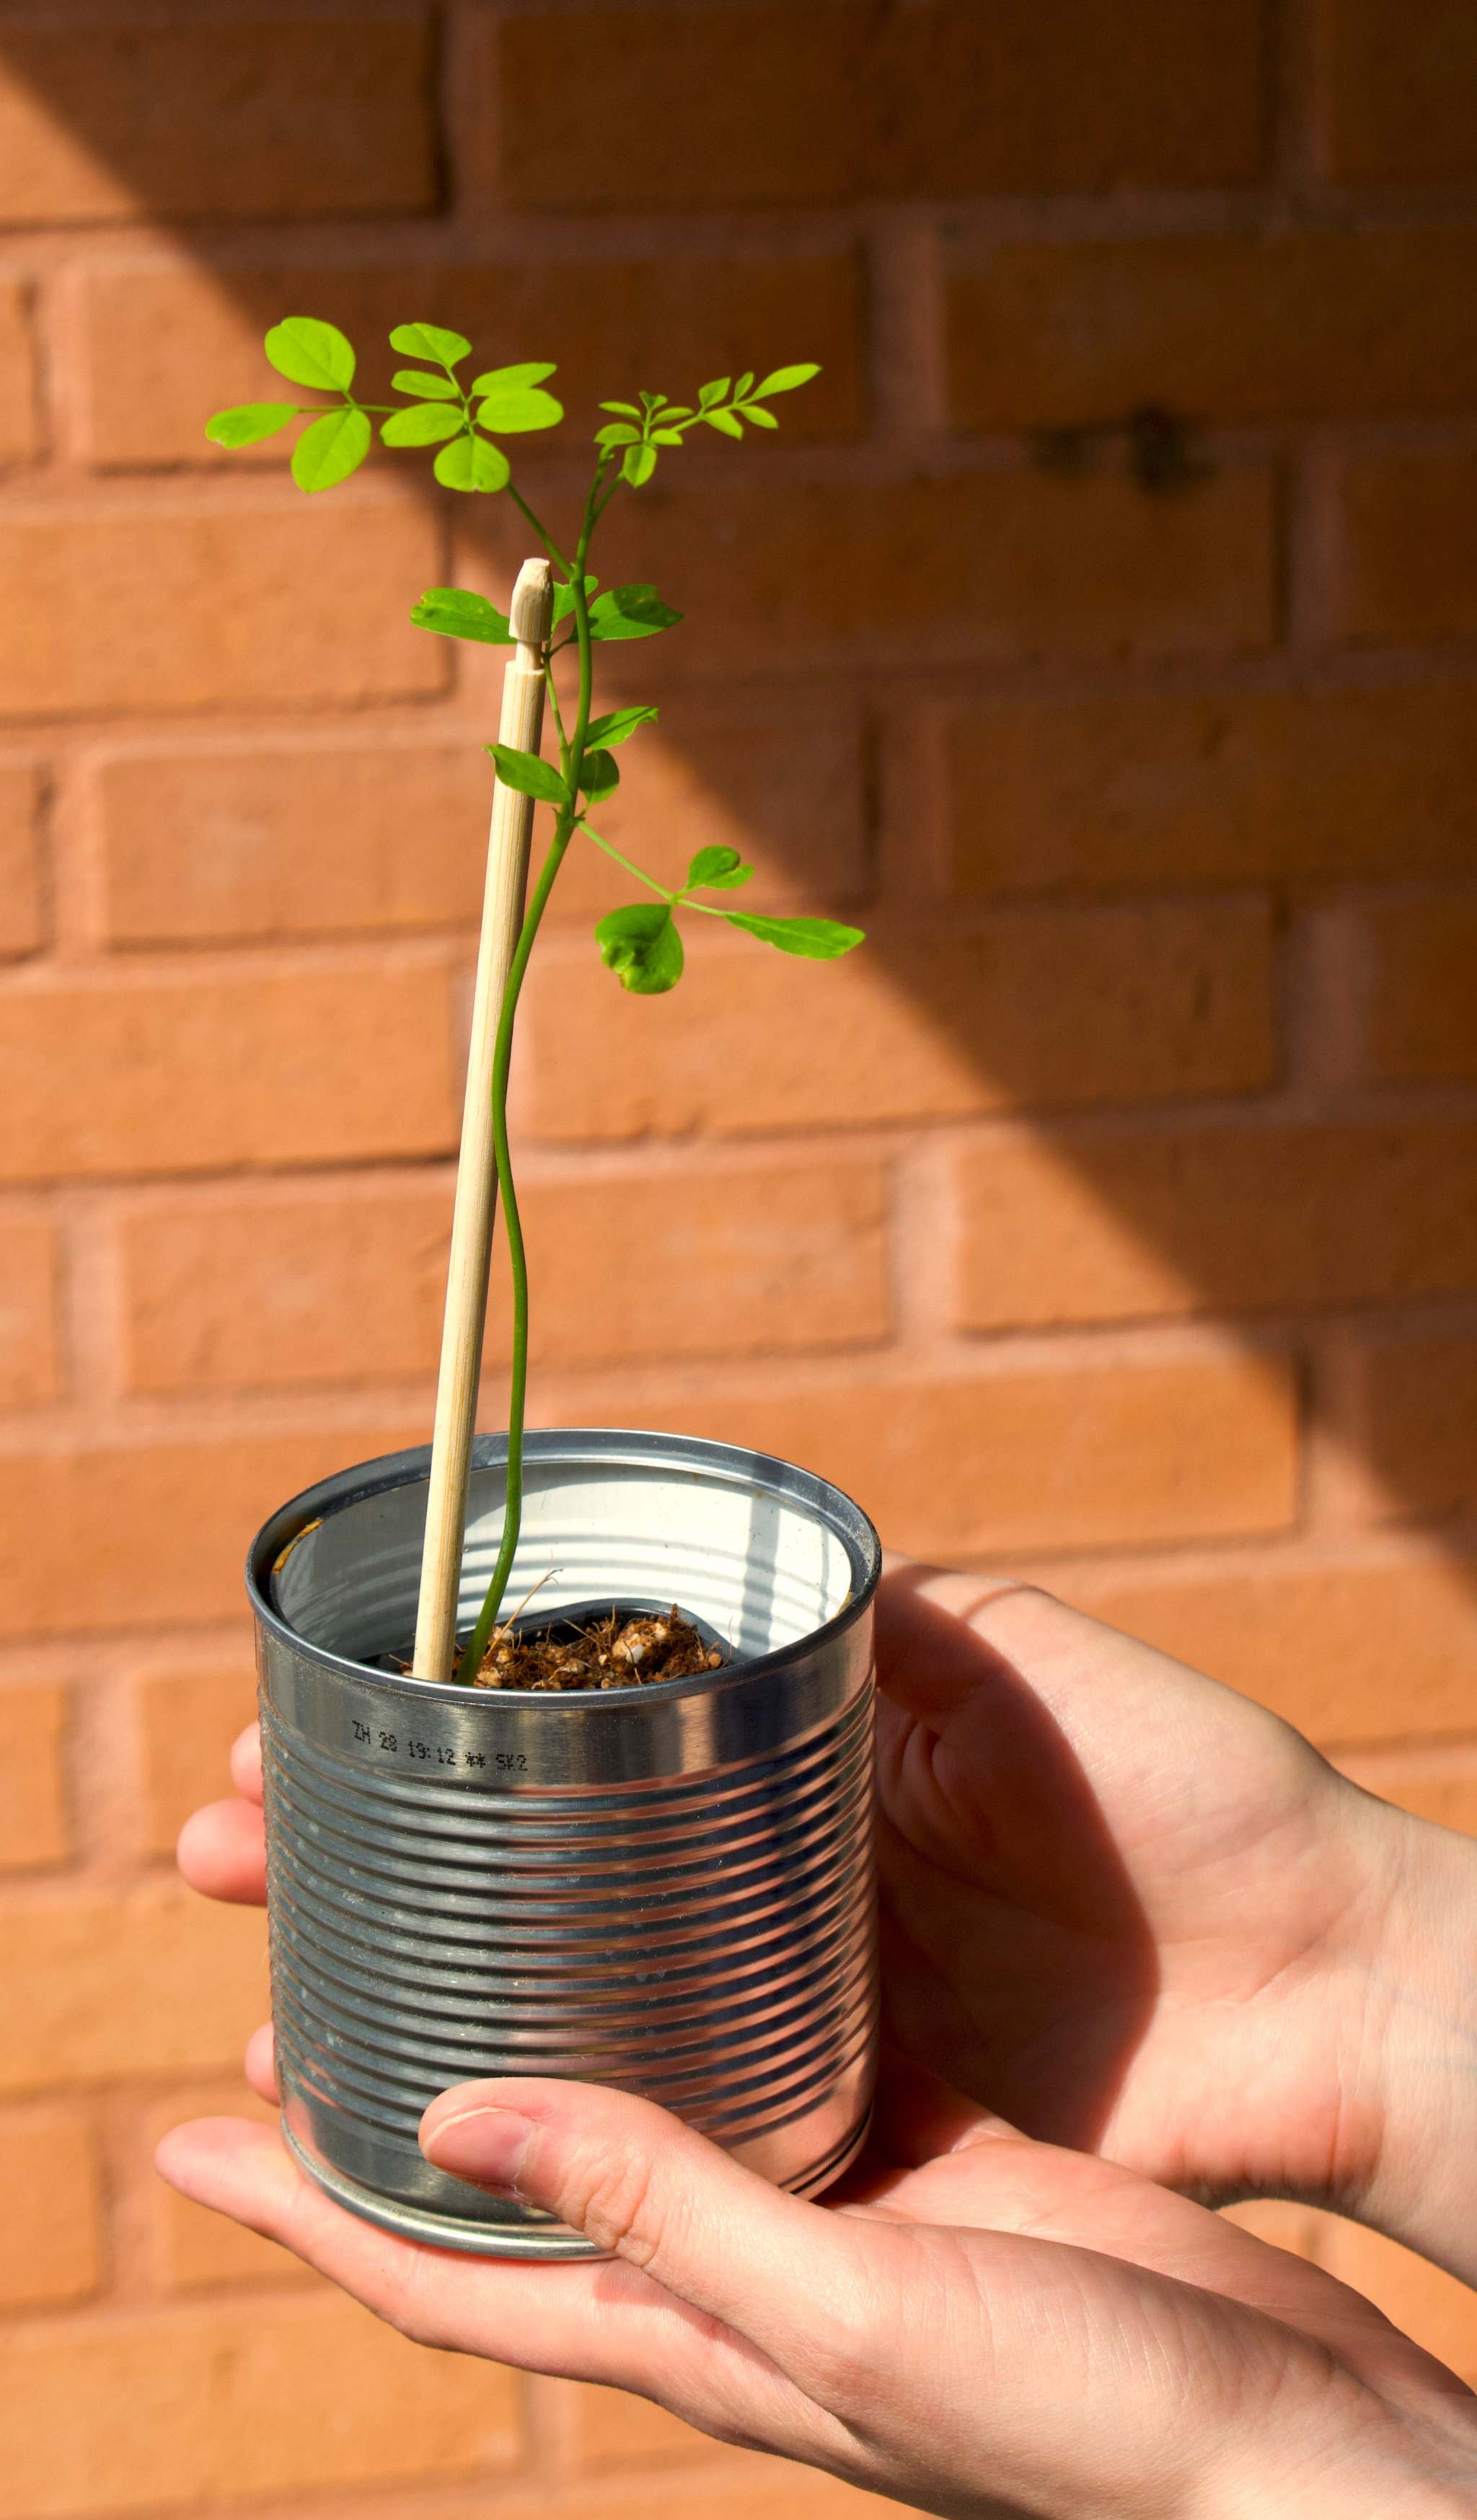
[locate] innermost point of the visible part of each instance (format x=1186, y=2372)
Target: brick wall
x=1112, y=1213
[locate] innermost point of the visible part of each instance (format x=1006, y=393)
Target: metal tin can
x=668, y=1887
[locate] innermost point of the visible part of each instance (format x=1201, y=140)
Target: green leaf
x=246, y=422
x=529, y=773
x=786, y=380
x=416, y=381
x=744, y=385
x=471, y=464
x=563, y=598
x=651, y=402
x=665, y=437
x=602, y=776
x=631, y=613
x=638, y=464
x=311, y=353
x=756, y=413
x=819, y=939
x=429, y=341
x=712, y=394
x=423, y=425
x=530, y=372
x=642, y=947
x=460, y=615
x=617, y=432
x=717, y=870
x=518, y=407
x=628, y=410
x=725, y=422
x=621, y=725
x=332, y=448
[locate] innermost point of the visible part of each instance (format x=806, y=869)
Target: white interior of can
x=762, y=1568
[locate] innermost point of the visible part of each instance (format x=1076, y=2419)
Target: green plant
x=640, y=943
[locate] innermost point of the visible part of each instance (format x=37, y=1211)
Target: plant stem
x=573, y=762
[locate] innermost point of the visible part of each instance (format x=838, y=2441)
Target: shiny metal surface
x=669, y=1888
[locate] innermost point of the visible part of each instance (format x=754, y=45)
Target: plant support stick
x=521, y=725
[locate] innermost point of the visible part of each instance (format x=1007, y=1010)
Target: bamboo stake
x=521, y=722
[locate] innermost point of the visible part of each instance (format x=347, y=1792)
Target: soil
x=616, y=1651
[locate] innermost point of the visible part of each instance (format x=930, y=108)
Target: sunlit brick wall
x=1114, y=1214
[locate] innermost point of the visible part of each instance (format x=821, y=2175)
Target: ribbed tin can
x=669, y=1887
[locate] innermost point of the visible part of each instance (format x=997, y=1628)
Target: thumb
x=638, y=2183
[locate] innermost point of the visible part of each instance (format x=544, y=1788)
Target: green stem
x=611, y=851
x=501, y=1062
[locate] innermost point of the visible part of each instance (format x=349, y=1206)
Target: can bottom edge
x=546, y=2244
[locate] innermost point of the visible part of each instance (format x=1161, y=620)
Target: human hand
x=1137, y=1913
x=989, y=2328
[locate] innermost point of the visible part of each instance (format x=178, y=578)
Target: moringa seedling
x=642, y=942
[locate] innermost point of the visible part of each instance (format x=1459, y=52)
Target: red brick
x=1443, y=1794
x=51, y=2206
x=1402, y=91
x=613, y=2429
x=176, y=1070
x=280, y=116
x=20, y=909
x=222, y=2402
x=350, y=1287
x=187, y=1717
x=1277, y=2221
x=35, y=1820
x=133, y=1535
x=1347, y=1651
x=990, y=565
x=29, y=1332
x=165, y=344
x=1225, y=326
x=19, y=410
x=1031, y=1009
x=251, y=604
x=1433, y=2308
x=1213, y=787
x=1071, y=1456
x=318, y=839
x=194, y=2250
x=675, y=108
x=1083, y=1226
x=1409, y=569
x=146, y=1982
x=1421, y=1420
x=1422, y=1003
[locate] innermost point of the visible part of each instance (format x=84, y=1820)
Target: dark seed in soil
x=616, y=1651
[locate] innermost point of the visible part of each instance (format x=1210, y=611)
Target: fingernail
x=483, y=2147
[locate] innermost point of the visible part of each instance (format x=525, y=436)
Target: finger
x=918, y=2116
x=246, y=1763
x=639, y=2183
x=260, y=2063
x=933, y=1640
x=222, y=1852
x=597, y=2321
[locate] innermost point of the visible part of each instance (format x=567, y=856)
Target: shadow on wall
x=1117, y=849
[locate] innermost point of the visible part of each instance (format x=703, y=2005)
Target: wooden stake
x=521, y=725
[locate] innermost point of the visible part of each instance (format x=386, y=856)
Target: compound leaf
x=638, y=464
x=423, y=425
x=786, y=380
x=755, y=413
x=713, y=392
x=821, y=941
x=332, y=448
x=530, y=372
x=725, y=422
x=621, y=725
x=246, y=421
x=418, y=380
x=429, y=341
x=459, y=615
x=717, y=870
x=617, y=432
x=471, y=464
x=642, y=947
x=310, y=353
x=529, y=773
x=602, y=776
x=510, y=408
x=631, y=613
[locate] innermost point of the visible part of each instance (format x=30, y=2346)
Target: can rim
x=614, y=1446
